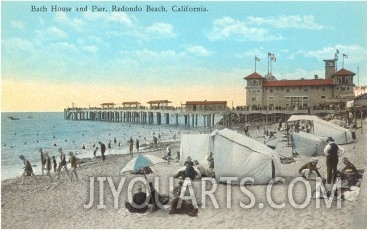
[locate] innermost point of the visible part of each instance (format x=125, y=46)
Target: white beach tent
x=236, y=155
x=323, y=128
x=308, y=144
x=196, y=146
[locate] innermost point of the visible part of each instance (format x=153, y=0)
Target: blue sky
x=179, y=56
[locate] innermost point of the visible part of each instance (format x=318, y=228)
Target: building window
x=323, y=97
x=305, y=98
x=287, y=90
x=254, y=99
x=271, y=90
x=271, y=97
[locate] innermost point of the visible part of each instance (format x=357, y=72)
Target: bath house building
x=268, y=92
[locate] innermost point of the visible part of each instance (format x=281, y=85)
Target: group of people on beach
x=193, y=169
x=48, y=163
x=332, y=152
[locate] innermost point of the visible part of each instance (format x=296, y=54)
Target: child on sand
x=28, y=171
x=72, y=161
x=63, y=164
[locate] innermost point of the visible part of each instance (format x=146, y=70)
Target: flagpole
x=271, y=66
x=268, y=61
x=255, y=64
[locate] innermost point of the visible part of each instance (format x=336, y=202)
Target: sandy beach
x=60, y=204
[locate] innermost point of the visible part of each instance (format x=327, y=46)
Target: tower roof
x=253, y=76
x=344, y=72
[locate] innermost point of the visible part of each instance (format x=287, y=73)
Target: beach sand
x=60, y=204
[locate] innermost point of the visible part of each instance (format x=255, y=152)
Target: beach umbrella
x=140, y=162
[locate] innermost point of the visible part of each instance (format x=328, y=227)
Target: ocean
x=25, y=133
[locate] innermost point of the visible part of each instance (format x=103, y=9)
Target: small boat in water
x=13, y=118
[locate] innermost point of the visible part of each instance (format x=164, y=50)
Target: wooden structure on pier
x=159, y=104
x=108, y=105
x=131, y=105
x=164, y=115
x=206, y=105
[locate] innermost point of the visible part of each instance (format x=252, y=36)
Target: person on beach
x=28, y=171
x=139, y=199
x=73, y=166
x=62, y=164
x=155, y=143
x=131, y=146
x=156, y=198
x=178, y=155
x=137, y=145
x=332, y=152
x=168, y=155
x=210, y=160
x=95, y=152
x=189, y=170
x=48, y=166
x=201, y=168
x=43, y=160
x=245, y=129
x=54, y=163
x=309, y=169
x=103, y=150
x=349, y=173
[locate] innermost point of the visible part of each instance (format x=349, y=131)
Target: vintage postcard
x=183, y=114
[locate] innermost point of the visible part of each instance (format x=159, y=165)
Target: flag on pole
x=345, y=56
x=270, y=55
x=274, y=59
x=257, y=59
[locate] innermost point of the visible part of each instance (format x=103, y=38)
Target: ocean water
x=50, y=131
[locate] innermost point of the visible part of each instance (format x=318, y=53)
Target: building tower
x=330, y=68
x=254, y=90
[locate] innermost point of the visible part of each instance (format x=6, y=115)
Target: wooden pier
x=144, y=116
x=190, y=118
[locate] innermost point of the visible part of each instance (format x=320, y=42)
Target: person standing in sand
x=137, y=145
x=103, y=150
x=131, y=146
x=95, y=152
x=43, y=161
x=48, y=166
x=332, y=152
x=62, y=164
x=72, y=160
x=28, y=171
x=54, y=163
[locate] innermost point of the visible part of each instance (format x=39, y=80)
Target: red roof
x=253, y=76
x=206, y=102
x=309, y=82
x=344, y=72
x=159, y=102
x=130, y=103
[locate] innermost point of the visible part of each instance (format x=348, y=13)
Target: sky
x=52, y=60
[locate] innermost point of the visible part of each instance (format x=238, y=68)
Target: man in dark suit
x=140, y=202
